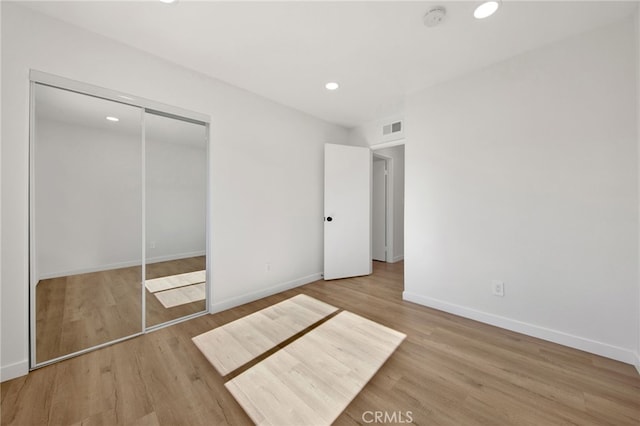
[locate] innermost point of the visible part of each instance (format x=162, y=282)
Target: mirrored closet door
x=118, y=220
x=176, y=184
x=86, y=221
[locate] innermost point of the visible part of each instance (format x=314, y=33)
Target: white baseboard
x=250, y=297
x=11, y=371
x=89, y=269
x=638, y=363
x=397, y=258
x=599, y=348
x=169, y=257
x=118, y=265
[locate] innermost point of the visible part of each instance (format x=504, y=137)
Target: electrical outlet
x=497, y=287
x=152, y=244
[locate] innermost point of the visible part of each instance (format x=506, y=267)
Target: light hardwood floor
x=236, y=343
x=80, y=311
x=448, y=371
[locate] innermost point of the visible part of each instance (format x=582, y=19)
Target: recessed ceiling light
x=332, y=85
x=110, y=118
x=486, y=9
x=168, y=1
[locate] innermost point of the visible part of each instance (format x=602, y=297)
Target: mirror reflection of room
x=102, y=173
x=87, y=187
x=175, y=187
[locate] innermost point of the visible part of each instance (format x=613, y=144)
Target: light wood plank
x=236, y=343
x=295, y=386
x=173, y=281
x=181, y=295
x=156, y=313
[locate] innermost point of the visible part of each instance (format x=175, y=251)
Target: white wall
x=175, y=188
x=370, y=134
x=638, y=135
x=266, y=166
x=88, y=195
x=2, y=316
x=527, y=172
x=88, y=192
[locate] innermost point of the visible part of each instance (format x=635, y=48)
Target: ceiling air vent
x=392, y=130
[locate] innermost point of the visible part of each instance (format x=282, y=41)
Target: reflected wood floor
x=80, y=311
x=156, y=312
x=448, y=371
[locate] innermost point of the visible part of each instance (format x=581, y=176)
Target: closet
x=118, y=216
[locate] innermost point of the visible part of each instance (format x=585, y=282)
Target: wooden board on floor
x=181, y=295
x=173, y=281
x=312, y=380
x=238, y=342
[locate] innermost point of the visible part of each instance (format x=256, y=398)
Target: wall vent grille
x=391, y=128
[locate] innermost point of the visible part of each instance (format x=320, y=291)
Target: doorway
x=387, y=208
x=379, y=206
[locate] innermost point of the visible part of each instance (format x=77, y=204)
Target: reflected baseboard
x=119, y=265
x=168, y=257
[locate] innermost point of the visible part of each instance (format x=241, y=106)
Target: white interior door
x=379, y=211
x=347, y=210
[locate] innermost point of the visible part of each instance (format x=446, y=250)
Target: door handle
x=329, y=219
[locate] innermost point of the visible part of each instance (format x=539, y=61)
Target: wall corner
x=637, y=44
x=13, y=371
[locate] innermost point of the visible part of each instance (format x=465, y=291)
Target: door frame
x=388, y=205
x=390, y=255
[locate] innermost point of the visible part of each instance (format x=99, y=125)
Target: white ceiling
x=377, y=51
x=70, y=108
x=53, y=104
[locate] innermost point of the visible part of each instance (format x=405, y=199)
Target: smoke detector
x=434, y=16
